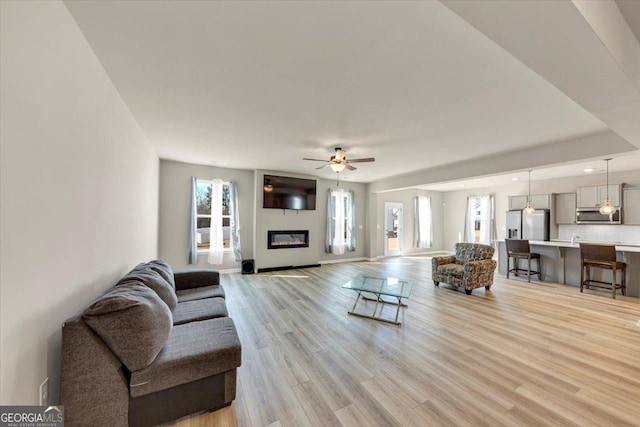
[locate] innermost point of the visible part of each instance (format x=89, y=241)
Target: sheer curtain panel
x=193, y=247
x=235, y=221
x=470, y=220
x=216, y=248
x=422, y=227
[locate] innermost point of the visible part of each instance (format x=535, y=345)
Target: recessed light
x=515, y=179
x=460, y=185
x=588, y=170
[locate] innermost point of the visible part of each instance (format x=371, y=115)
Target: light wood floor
x=519, y=355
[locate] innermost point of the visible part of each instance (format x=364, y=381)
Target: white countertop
x=621, y=247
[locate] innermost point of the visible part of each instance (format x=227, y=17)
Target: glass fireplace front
x=284, y=239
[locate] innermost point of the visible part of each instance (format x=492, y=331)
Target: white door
x=392, y=229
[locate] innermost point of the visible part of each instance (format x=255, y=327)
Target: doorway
x=392, y=229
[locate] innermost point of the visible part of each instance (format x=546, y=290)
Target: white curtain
x=485, y=220
x=422, y=228
x=470, y=220
x=235, y=221
x=351, y=221
x=216, y=249
x=338, y=245
x=193, y=220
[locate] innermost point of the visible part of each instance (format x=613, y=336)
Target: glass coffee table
x=379, y=287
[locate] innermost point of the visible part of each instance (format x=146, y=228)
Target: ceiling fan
x=339, y=161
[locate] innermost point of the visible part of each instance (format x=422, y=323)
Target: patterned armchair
x=470, y=267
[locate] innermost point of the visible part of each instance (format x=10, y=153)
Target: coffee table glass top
x=378, y=285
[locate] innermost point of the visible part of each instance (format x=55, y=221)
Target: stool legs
x=585, y=280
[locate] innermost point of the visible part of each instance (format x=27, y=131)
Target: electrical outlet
x=638, y=324
x=44, y=392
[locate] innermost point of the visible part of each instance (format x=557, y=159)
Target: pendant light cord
x=607, y=178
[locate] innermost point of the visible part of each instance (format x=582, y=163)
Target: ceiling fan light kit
x=337, y=167
x=338, y=162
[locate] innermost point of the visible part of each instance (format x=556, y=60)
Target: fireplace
x=285, y=239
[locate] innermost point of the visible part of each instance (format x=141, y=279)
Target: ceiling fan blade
x=314, y=160
x=322, y=167
x=368, y=159
x=351, y=168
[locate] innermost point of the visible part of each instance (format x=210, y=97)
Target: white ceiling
x=620, y=163
x=259, y=85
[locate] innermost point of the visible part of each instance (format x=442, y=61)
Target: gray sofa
x=153, y=348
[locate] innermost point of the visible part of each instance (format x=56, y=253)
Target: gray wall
x=175, y=188
x=255, y=221
x=314, y=221
x=406, y=197
x=78, y=186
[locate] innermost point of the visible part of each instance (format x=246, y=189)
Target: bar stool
x=519, y=249
x=604, y=257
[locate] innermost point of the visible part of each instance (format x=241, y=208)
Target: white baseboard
x=429, y=253
x=336, y=261
x=230, y=270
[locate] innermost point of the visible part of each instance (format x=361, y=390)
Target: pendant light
x=529, y=209
x=607, y=208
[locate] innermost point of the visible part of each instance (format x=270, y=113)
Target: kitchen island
x=561, y=262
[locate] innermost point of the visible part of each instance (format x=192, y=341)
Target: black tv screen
x=282, y=192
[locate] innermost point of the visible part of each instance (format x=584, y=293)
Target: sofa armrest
x=93, y=385
x=188, y=279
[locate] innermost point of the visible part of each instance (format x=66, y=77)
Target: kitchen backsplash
x=629, y=234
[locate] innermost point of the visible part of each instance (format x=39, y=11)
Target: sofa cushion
x=200, y=309
x=193, y=351
x=200, y=293
x=154, y=280
x=187, y=279
x=133, y=321
x=164, y=269
x=451, y=269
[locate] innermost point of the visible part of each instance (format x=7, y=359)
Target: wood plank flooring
x=523, y=353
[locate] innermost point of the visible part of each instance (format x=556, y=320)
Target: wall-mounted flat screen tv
x=283, y=192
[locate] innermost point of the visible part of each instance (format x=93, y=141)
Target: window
x=340, y=222
x=203, y=215
x=479, y=225
x=341, y=228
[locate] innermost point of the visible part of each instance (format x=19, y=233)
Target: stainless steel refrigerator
x=514, y=224
x=535, y=226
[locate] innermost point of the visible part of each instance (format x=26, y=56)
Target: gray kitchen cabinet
x=541, y=201
x=565, y=208
x=593, y=197
x=517, y=202
x=538, y=201
x=631, y=207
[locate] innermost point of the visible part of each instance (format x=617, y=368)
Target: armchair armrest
x=475, y=268
x=442, y=260
x=188, y=279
